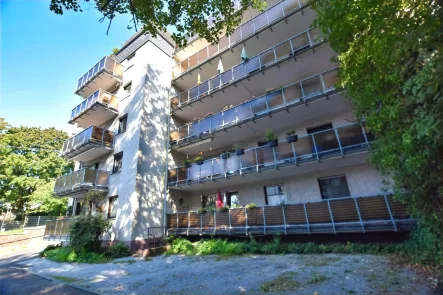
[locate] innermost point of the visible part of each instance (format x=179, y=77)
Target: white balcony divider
x=93, y=134
x=100, y=96
x=107, y=64
x=271, y=15
x=274, y=55
x=330, y=143
x=291, y=95
x=82, y=179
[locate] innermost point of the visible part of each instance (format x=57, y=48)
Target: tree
x=29, y=159
x=391, y=64
x=188, y=17
x=42, y=202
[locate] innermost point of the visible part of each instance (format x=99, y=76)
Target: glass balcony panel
x=223, y=43
x=90, y=176
x=267, y=57
x=173, y=136
x=97, y=133
x=193, y=129
x=236, y=36
x=326, y=141
x=193, y=60
x=90, y=73
x=229, y=116
x=184, y=97
x=274, y=13
x=219, y=166
x=265, y=155
x=205, y=126
x=247, y=29
x=244, y=111
x=226, y=77
x=260, y=21
x=292, y=92
x=351, y=135
x=83, y=106
x=102, y=178
x=194, y=172
x=233, y=164
x=206, y=169
x=249, y=159
x=304, y=148
x=253, y=64
x=176, y=70
x=182, y=173
x=239, y=71
x=96, y=68
x=80, y=82
x=193, y=93
x=217, y=120
x=284, y=151
x=275, y=99
x=172, y=175
x=316, y=35
x=109, y=64
x=290, y=5
x=108, y=138
x=85, y=79
x=283, y=50
x=331, y=79
x=215, y=82
x=183, y=132
x=203, y=55
x=312, y=87
x=212, y=49
x=300, y=42
x=102, y=63
x=259, y=105
x=203, y=88
x=184, y=66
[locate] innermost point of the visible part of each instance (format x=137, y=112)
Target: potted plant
x=251, y=206
x=174, y=103
x=225, y=155
x=199, y=159
x=271, y=138
x=187, y=163
x=202, y=210
x=291, y=136
x=238, y=149
x=223, y=209
x=269, y=90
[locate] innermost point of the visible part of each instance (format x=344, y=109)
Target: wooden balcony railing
x=89, y=138
x=81, y=180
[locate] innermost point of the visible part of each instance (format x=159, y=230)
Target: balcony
x=89, y=144
x=334, y=143
x=332, y=216
x=81, y=181
x=257, y=25
x=104, y=75
x=291, y=49
x=258, y=113
x=97, y=109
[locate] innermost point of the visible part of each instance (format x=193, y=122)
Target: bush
x=67, y=254
x=85, y=233
x=48, y=248
x=117, y=250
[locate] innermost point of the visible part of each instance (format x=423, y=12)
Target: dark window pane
x=334, y=187
x=122, y=124
x=118, y=160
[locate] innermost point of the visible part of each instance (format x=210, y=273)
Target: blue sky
x=42, y=55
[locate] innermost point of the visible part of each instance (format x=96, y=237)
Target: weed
x=66, y=279
x=284, y=282
x=317, y=278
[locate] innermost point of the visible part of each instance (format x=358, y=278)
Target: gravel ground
x=260, y=274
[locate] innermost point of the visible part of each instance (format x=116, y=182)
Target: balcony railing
x=313, y=147
x=279, y=53
x=87, y=139
x=286, y=97
x=106, y=64
x=341, y=215
x=58, y=229
x=99, y=97
x=243, y=32
x=81, y=180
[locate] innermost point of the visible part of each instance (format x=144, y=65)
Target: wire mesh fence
x=34, y=221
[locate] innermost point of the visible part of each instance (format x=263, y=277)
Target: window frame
x=332, y=177
x=281, y=185
x=127, y=93
x=111, y=202
x=114, y=166
x=120, y=120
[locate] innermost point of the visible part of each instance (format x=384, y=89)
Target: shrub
x=67, y=254
x=48, y=248
x=85, y=233
x=269, y=135
x=181, y=246
x=117, y=250
x=223, y=209
x=251, y=206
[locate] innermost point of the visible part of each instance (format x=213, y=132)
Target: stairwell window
x=128, y=89
x=112, y=208
x=118, y=161
x=275, y=194
x=122, y=123
x=334, y=187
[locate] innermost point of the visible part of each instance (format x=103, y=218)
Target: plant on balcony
x=223, y=209
x=251, y=206
x=269, y=90
x=271, y=138
x=199, y=159
x=187, y=163
x=202, y=210
x=208, y=114
x=291, y=136
x=239, y=150
x=174, y=103
x=225, y=155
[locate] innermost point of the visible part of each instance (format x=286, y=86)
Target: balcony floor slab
x=96, y=115
x=104, y=80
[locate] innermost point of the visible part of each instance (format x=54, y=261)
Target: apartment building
x=254, y=122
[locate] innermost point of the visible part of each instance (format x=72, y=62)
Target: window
x=231, y=199
x=118, y=160
x=127, y=89
x=112, y=208
x=96, y=165
x=275, y=194
x=130, y=57
x=122, y=122
x=208, y=200
x=319, y=128
x=334, y=187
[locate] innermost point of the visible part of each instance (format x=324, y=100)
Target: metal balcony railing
x=81, y=180
x=58, y=229
x=88, y=138
x=100, y=96
x=106, y=64
x=286, y=97
x=341, y=215
x=272, y=15
x=313, y=147
x=279, y=53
